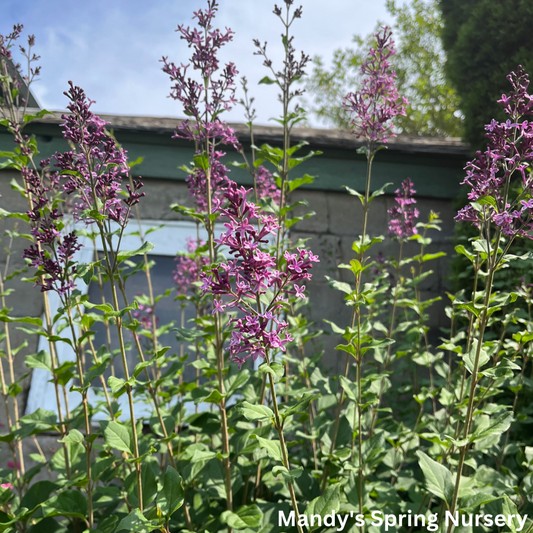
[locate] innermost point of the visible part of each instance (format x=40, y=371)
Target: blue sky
x=112, y=48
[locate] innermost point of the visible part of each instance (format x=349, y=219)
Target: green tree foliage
x=484, y=41
x=419, y=65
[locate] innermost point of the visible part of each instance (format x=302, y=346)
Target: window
x=168, y=240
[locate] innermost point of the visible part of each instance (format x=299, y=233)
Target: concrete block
x=317, y=201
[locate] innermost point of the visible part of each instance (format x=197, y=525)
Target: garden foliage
x=411, y=426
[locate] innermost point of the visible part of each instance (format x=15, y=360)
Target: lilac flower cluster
x=377, y=102
x=52, y=252
x=403, y=217
x=95, y=171
x=6, y=44
x=218, y=95
x=266, y=186
x=251, y=273
x=144, y=315
x=509, y=153
x=188, y=268
x=293, y=67
x=197, y=181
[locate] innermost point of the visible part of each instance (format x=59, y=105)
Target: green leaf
x=288, y=476
x=118, y=437
x=85, y=272
x=272, y=447
x=201, y=161
x=276, y=370
x=473, y=308
x=470, y=358
x=247, y=516
x=136, y=522
x=138, y=161
x=460, y=249
x=323, y=505
x=39, y=360
x=438, y=478
x=298, y=182
x=381, y=191
x=266, y=81
x=144, y=249
x=172, y=495
x=300, y=407
x=73, y=436
x=487, y=200
x=497, y=427
x=509, y=509
x=66, y=503
x=40, y=114
x=256, y=413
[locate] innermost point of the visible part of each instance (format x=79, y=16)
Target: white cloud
x=112, y=49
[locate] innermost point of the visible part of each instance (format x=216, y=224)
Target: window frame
x=169, y=238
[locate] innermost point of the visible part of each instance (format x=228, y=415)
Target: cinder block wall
x=331, y=232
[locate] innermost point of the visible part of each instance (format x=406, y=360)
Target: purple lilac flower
x=188, y=267
x=94, y=171
x=205, y=42
x=266, y=185
x=144, y=315
x=52, y=251
x=6, y=44
x=197, y=181
x=241, y=281
x=377, y=102
x=509, y=153
x=204, y=100
x=403, y=217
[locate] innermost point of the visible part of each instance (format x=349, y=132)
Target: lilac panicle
x=52, y=252
x=250, y=273
x=95, y=170
x=377, y=102
x=509, y=153
x=197, y=181
x=403, y=217
x=188, y=268
x=143, y=314
x=204, y=103
x=266, y=186
x=205, y=99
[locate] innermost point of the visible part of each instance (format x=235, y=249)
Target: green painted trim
x=434, y=175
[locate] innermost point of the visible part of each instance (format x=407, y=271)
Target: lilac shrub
x=262, y=428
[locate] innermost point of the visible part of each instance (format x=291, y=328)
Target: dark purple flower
x=95, y=170
x=403, y=217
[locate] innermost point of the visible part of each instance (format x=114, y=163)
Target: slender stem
x=79, y=356
x=279, y=428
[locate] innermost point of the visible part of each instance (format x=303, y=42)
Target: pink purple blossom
x=197, y=181
x=377, y=102
x=205, y=99
x=252, y=272
x=509, y=153
x=189, y=267
x=266, y=185
x=403, y=216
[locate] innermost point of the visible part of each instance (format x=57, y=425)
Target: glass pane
x=167, y=310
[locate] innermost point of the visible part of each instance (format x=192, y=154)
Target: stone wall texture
x=331, y=232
